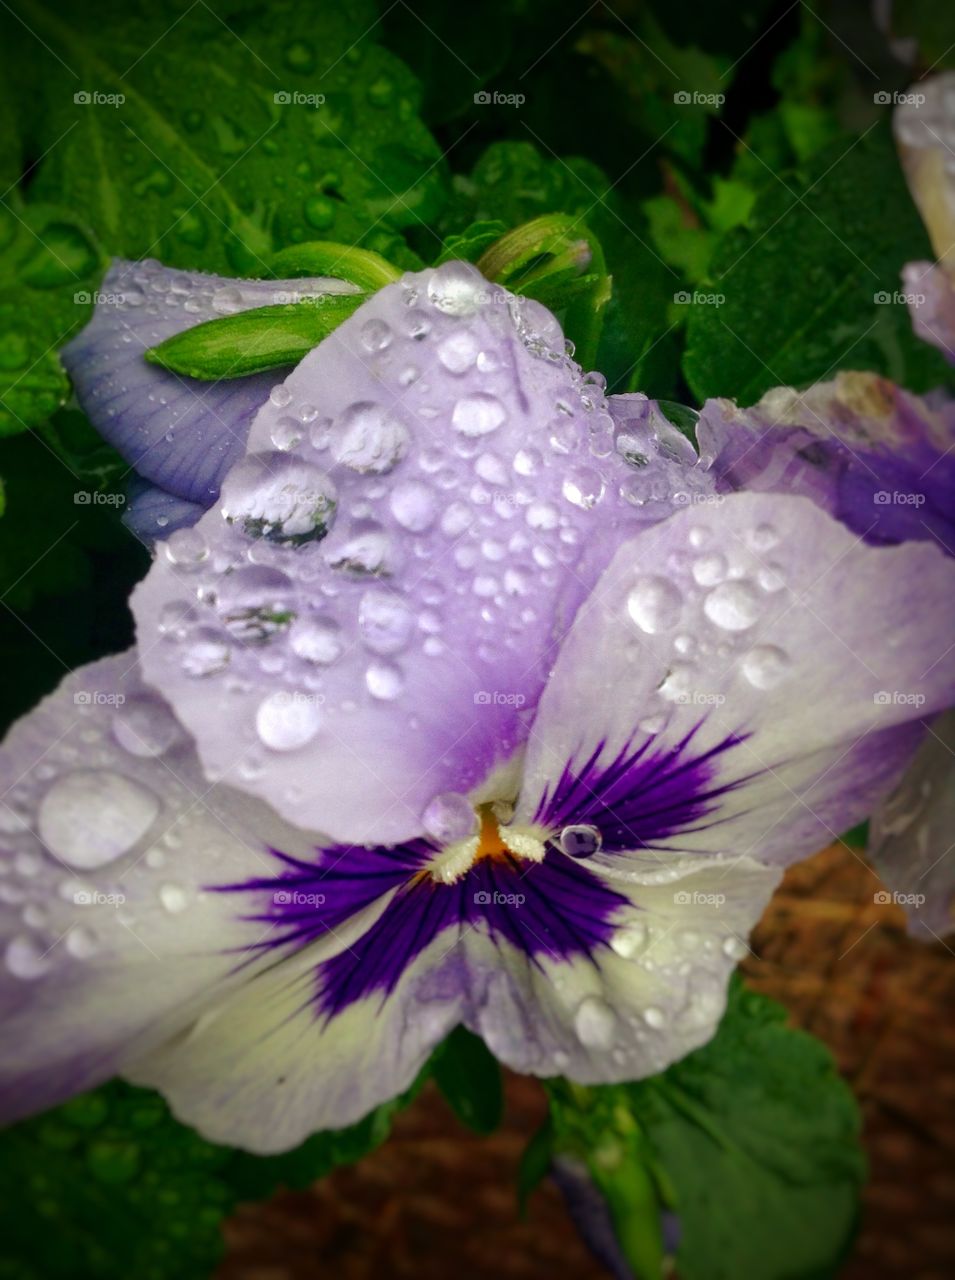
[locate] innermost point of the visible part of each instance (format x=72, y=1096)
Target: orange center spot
x=490, y=844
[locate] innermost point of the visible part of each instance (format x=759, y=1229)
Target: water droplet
x=629, y=941
x=254, y=602
x=206, y=654
x=478, y=415
x=527, y=462
x=709, y=570
x=580, y=841
x=286, y=721
x=173, y=898
x=458, y=351
x=414, y=505
x=369, y=439
x=81, y=942
x=280, y=396
x=583, y=487
x=766, y=666
x=365, y=552
x=595, y=1023
x=384, y=620
x=449, y=817
x=144, y=727
x=375, y=335
x=655, y=605
x=27, y=959
x=734, y=606
x=384, y=680
x=763, y=538
x=227, y=300
x=541, y=515
x=457, y=289
x=735, y=948
x=186, y=548
x=92, y=816
x=654, y=1017
x=287, y=434
x=175, y=619
x=316, y=640
x=278, y=497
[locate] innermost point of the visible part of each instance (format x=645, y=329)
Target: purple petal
x=180, y=433
x=369, y=616
x=153, y=514
x=874, y=456
x=109, y=834
x=723, y=690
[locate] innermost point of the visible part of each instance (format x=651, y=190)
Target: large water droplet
x=144, y=727
x=369, y=439
x=278, y=497
x=478, y=415
x=287, y=720
x=766, y=666
x=629, y=941
x=457, y=289
x=186, y=548
x=709, y=570
x=90, y=817
x=655, y=604
x=595, y=1023
x=734, y=606
x=580, y=841
x=583, y=487
x=449, y=817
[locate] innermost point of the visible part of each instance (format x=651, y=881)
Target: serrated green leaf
x=251, y=341
x=468, y=1075
x=801, y=283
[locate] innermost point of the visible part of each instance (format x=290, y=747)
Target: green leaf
x=535, y=1164
x=49, y=267
x=110, y=1186
x=250, y=341
x=471, y=243
x=238, y=131
x=468, y=1075
x=752, y=1141
x=802, y=281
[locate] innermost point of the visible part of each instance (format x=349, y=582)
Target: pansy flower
x=471, y=697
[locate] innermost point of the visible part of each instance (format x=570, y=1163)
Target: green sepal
x=370, y=271
x=252, y=341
